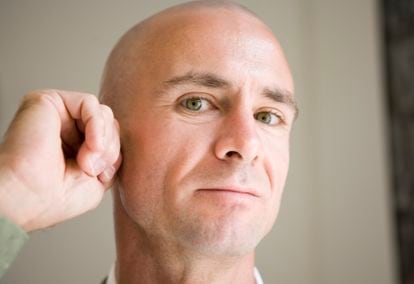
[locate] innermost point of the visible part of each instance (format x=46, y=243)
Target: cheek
x=145, y=156
x=190, y=147
x=277, y=166
x=139, y=176
x=157, y=158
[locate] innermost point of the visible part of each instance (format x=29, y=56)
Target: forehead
x=235, y=45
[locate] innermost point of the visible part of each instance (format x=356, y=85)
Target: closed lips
x=231, y=190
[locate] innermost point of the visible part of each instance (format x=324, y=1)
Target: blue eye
x=267, y=117
x=195, y=104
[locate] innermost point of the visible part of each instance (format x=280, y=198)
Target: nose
x=238, y=140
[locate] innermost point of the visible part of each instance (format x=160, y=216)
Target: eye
x=196, y=104
x=268, y=117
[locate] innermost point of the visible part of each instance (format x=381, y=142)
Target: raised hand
x=59, y=155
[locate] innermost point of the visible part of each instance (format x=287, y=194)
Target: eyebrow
x=208, y=80
x=283, y=96
x=211, y=80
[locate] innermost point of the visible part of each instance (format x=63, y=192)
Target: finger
x=111, y=154
x=97, y=162
x=75, y=109
x=110, y=129
x=108, y=176
x=86, y=108
x=71, y=137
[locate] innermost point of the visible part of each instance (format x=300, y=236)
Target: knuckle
x=112, y=152
x=90, y=101
x=89, y=106
x=39, y=97
x=107, y=111
x=35, y=95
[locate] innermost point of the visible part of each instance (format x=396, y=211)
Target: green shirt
x=12, y=238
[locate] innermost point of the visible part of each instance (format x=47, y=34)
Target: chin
x=223, y=237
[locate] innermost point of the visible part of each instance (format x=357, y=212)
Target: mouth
x=237, y=191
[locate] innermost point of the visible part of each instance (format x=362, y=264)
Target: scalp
x=163, y=32
x=118, y=68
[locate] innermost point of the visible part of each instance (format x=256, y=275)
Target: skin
x=43, y=183
x=198, y=189
x=204, y=99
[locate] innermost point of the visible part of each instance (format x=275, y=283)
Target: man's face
x=206, y=138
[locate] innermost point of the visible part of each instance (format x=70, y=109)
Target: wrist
x=16, y=202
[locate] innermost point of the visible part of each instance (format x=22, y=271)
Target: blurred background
x=337, y=222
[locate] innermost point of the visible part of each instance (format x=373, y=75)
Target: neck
x=144, y=259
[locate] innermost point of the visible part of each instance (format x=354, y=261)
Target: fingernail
x=97, y=164
x=108, y=174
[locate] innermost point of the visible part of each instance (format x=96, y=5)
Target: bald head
x=153, y=40
x=204, y=99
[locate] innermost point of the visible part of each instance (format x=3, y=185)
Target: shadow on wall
x=399, y=35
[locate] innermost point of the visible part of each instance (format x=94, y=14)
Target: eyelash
x=183, y=101
x=208, y=101
x=277, y=116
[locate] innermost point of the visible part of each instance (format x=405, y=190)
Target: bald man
x=203, y=103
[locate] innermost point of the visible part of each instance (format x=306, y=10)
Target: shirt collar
x=112, y=280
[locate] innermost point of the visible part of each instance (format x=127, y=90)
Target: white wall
x=352, y=169
x=335, y=223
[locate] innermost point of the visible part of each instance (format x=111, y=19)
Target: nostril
x=232, y=154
